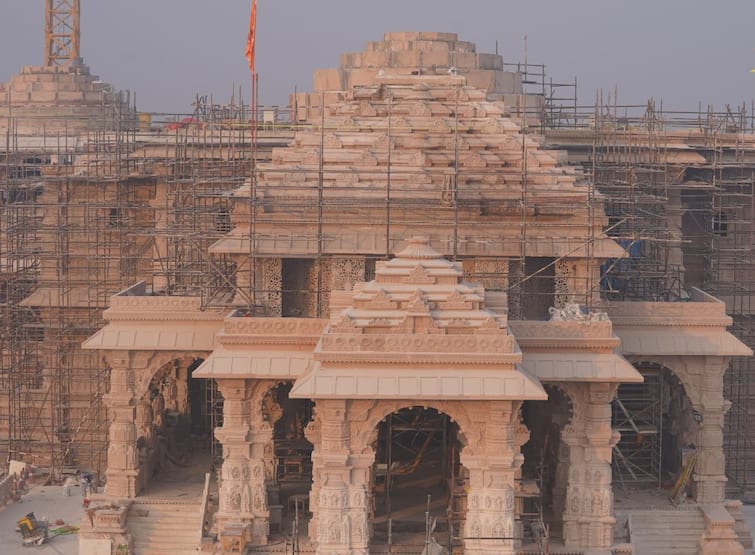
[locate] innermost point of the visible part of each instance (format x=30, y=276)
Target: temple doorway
x=418, y=479
x=541, y=491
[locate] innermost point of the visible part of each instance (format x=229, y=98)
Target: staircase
x=164, y=527
x=666, y=532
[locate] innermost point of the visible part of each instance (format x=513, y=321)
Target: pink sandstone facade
x=410, y=331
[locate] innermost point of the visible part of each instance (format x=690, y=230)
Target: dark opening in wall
x=298, y=294
x=538, y=288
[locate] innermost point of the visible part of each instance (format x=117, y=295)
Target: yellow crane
x=62, y=32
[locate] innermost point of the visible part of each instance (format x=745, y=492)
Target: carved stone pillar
x=235, y=503
x=561, y=480
x=313, y=434
x=122, y=456
x=261, y=459
x=145, y=441
x=492, y=463
x=709, y=476
x=588, y=515
x=341, y=526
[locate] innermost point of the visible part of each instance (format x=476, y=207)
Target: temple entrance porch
x=418, y=482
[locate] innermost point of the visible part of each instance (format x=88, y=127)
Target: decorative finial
x=418, y=248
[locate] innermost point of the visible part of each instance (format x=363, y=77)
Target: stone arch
x=156, y=362
x=414, y=451
x=656, y=419
x=363, y=429
x=678, y=368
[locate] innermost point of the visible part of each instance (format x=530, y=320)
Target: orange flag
x=251, y=38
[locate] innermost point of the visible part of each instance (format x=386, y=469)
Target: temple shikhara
x=425, y=310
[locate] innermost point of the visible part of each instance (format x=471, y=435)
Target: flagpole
x=250, y=51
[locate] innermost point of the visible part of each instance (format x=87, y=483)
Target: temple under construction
x=127, y=239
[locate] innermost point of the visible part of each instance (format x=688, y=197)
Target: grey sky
x=680, y=51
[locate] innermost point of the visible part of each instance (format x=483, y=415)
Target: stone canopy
x=418, y=330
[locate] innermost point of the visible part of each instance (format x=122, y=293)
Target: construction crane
x=62, y=32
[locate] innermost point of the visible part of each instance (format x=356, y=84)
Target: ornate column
x=261, y=459
x=235, y=503
x=588, y=515
x=145, y=440
x=341, y=525
x=561, y=481
x=710, y=471
x=492, y=462
x=122, y=457
x=313, y=434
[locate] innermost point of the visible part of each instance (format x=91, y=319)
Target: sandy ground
x=45, y=502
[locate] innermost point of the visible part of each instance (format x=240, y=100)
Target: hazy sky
x=680, y=51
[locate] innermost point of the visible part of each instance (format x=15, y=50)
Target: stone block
x=406, y=58
x=92, y=97
x=401, y=36
x=352, y=59
x=433, y=36
x=399, y=45
x=46, y=97
x=71, y=96
x=377, y=46
x=432, y=45
x=328, y=80
x=375, y=59
x=439, y=58
x=490, y=61
x=508, y=82
x=357, y=77
x=463, y=59
x=464, y=46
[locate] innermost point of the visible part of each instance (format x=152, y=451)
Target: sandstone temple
x=427, y=312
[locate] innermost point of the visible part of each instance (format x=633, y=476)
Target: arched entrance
x=542, y=489
x=290, y=472
x=417, y=478
x=174, y=421
x=658, y=428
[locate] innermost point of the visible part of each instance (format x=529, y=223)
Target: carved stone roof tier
x=417, y=330
x=141, y=322
x=682, y=328
x=448, y=162
x=272, y=348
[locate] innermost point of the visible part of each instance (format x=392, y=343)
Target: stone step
x=164, y=528
x=657, y=532
x=145, y=528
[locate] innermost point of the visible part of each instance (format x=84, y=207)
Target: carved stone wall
x=515, y=290
x=346, y=272
x=272, y=282
x=491, y=273
x=564, y=274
